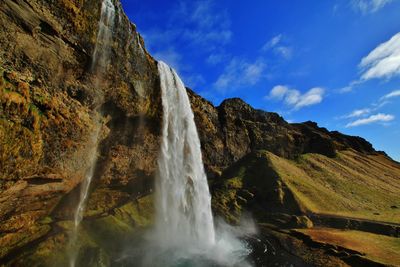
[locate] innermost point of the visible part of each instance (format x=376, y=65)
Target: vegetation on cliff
x=283, y=174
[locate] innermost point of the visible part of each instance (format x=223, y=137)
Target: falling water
x=78, y=216
x=101, y=54
x=184, y=233
x=140, y=44
x=100, y=61
x=183, y=199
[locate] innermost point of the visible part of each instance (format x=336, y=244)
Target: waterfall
x=183, y=200
x=184, y=232
x=140, y=44
x=100, y=60
x=101, y=54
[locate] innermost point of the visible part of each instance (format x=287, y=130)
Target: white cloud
x=369, y=6
x=395, y=93
x=358, y=113
x=284, y=51
x=381, y=102
x=312, y=97
x=294, y=98
x=383, y=61
x=349, y=87
x=275, y=44
x=380, y=117
x=216, y=58
x=240, y=73
x=278, y=92
x=253, y=72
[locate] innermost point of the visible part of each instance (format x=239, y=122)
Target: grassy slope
x=351, y=184
x=378, y=248
x=252, y=184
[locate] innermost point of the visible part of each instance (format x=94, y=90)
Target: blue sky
x=334, y=62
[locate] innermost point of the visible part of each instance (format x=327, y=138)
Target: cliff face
x=234, y=129
x=261, y=164
x=50, y=107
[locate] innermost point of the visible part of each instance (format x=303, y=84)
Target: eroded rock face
x=234, y=129
x=50, y=105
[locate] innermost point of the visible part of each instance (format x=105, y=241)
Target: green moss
x=65, y=225
x=122, y=225
x=41, y=99
x=226, y=205
x=378, y=248
x=55, y=251
x=2, y=81
x=33, y=108
x=253, y=184
x=108, y=231
x=350, y=184
x=138, y=214
x=234, y=183
x=21, y=144
x=112, y=232
x=12, y=241
x=46, y=220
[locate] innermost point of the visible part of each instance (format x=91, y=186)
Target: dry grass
x=352, y=184
x=378, y=248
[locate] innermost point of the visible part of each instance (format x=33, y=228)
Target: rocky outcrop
x=253, y=185
x=234, y=129
x=258, y=163
x=51, y=101
x=50, y=105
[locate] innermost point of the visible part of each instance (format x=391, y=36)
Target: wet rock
x=49, y=100
x=50, y=103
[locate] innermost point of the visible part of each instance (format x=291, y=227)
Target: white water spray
x=101, y=54
x=183, y=199
x=101, y=57
x=184, y=229
x=140, y=45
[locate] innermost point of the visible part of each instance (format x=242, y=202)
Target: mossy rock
x=125, y=223
x=12, y=241
x=252, y=185
x=99, y=239
x=142, y=211
x=38, y=129
x=109, y=232
x=54, y=251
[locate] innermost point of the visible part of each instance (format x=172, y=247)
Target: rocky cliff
x=241, y=143
x=50, y=105
x=234, y=129
x=49, y=108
